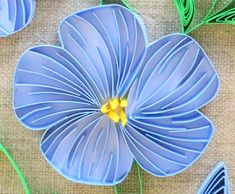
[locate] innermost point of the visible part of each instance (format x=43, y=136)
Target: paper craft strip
x=16, y=168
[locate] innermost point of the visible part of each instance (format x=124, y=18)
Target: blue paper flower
x=217, y=181
x=107, y=97
x=15, y=15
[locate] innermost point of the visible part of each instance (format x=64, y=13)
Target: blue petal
x=15, y=15
x=217, y=181
x=89, y=150
x=167, y=146
x=49, y=85
x=110, y=42
x=177, y=77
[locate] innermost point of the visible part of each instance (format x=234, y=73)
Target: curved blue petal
x=15, y=15
x=89, y=150
x=217, y=181
x=177, y=77
x=110, y=42
x=49, y=85
x=167, y=146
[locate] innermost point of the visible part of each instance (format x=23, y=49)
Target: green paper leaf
x=217, y=7
x=121, y=2
x=221, y=12
x=225, y=17
x=186, y=10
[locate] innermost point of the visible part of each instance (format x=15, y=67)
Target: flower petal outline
x=15, y=15
x=217, y=181
x=167, y=146
x=51, y=89
x=109, y=43
x=176, y=77
x=88, y=149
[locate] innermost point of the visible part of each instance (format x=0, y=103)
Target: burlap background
x=160, y=18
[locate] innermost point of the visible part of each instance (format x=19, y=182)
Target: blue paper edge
x=33, y=8
x=211, y=174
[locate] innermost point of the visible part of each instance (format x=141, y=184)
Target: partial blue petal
x=177, y=77
x=167, y=146
x=15, y=15
x=217, y=181
x=110, y=42
x=89, y=150
x=49, y=85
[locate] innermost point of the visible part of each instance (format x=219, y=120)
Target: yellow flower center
x=115, y=110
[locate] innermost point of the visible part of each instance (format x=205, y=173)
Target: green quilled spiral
x=226, y=17
x=187, y=10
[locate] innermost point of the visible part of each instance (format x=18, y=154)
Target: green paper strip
x=115, y=189
x=215, y=2
x=121, y=2
x=140, y=180
x=16, y=168
x=186, y=10
x=213, y=7
x=226, y=17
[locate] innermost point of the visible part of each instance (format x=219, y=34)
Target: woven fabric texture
x=160, y=18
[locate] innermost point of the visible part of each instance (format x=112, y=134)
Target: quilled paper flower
x=217, y=181
x=15, y=15
x=107, y=97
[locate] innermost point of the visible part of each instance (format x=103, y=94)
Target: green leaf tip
x=121, y=2
x=186, y=10
x=16, y=168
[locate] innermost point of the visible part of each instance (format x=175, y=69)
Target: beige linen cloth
x=160, y=18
